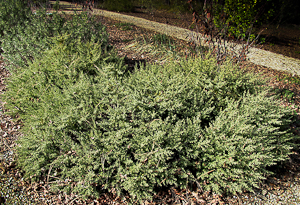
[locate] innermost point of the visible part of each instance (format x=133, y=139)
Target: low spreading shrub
x=29, y=34
x=90, y=126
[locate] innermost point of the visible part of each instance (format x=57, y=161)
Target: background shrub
x=158, y=126
x=231, y=18
x=31, y=35
x=13, y=13
x=119, y=5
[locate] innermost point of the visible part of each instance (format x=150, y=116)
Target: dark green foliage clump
x=26, y=35
x=119, y=5
x=13, y=13
x=90, y=123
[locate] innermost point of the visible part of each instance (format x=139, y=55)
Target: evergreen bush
x=237, y=18
x=90, y=126
x=31, y=35
x=12, y=13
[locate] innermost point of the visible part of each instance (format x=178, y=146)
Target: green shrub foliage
x=28, y=34
x=233, y=18
x=90, y=126
x=13, y=13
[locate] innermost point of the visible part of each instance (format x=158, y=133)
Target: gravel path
x=255, y=55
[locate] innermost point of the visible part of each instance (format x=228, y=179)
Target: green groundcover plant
x=26, y=34
x=13, y=13
x=91, y=126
